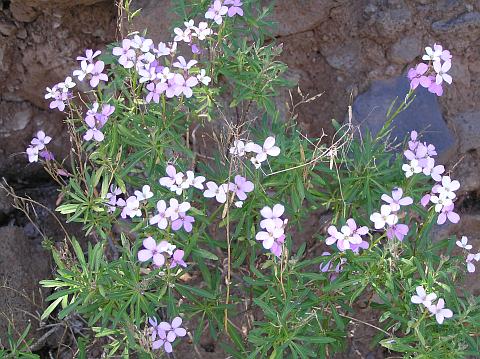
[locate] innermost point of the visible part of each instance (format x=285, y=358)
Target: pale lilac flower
x=238, y=204
x=435, y=88
x=85, y=69
x=441, y=70
x=160, y=219
x=112, y=197
x=269, y=235
x=411, y=168
x=191, y=180
x=147, y=74
x=173, y=331
x=41, y=140
x=440, y=311
x=145, y=194
x=434, y=171
x=171, y=90
x=464, y=243
x=176, y=208
x=203, y=78
x=144, y=61
x=446, y=56
x=141, y=43
x=216, y=11
x=241, y=187
x=469, y=260
x=162, y=50
x=185, y=86
x=448, y=213
x=272, y=215
x=51, y=92
x=269, y=149
x=219, y=192
x=89, y=55
x=93, y=131
x=257, y=164
x=202, y=31
x=416, y=76
x=362, y=245
x=97, y=74
x=423, y=298
x=165, y=75
x=344, y=238
x=182, y=35
x=32, y=153
x=177, y=259
x=171, y=178
x=103, y=116
x=127, y=55
x=155, y=90
x=131, y=208
x=396, y=200
x=59, y=100
x=238, y=148
x=235, y=7
x=398, y=231
x=182, y=63
x=425, y=199
x=183, y=221
x=151, y=251
x=327, y=267
x=384, y=217
x=196, y=49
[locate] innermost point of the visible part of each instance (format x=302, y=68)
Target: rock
x=406, y=49
x=22, y=266
x=148, y=19
x=393, y=22
x=466, y=23
x=423, y=115
x=309, y=14
x=466, y=126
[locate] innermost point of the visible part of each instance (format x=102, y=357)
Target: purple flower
x=185, y=86
x=196, y=49
x=168, y=333
x=59, y=99
x=327, y=267
x=440, y=311
x=396, y=200
x=347, y=236
x=127, y=55
x=103, y=116
x=235, y=8
x=97, y=74
x=41, y=140
x=155, y=90
x=85, y=69
x=32, y=153
x=160, y=219
x=183, y=221
x=47, y=155
x=216, y=11
x=177, y=259
x=277, y=246
x=89, y=55
x=151, y=251
x=272, y=215
x=447, y=213
x=131, y=208
x=241, y=187
x=92, y=131
x=398, y=231
x=425, y=199
x=176, y=209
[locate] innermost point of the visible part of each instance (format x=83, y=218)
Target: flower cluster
x=160, y=253
x=463, y=243
x=241, y=186
x=388, y=215
x=163, y=334
x=431, y=75
x=219, y=9
x=349, y=237
x=426, y=300
x=156, y=66
x=240, y=149
x=176, y=214
x=96, y=120
x=273, y=234
x=442, y=195
x=60, y=94
x=90, y=68
x=178, y=181
x=37, y=148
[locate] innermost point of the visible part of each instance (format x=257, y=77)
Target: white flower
x=67, y=84
x=384, y=217
x=440, y=202
x=190, y=24
x=448, y=187
x=32, y=153
x=182, y=63
x=272, y=215
x=181, y=35
x=238, y=148
x=463, y=243
x=269, y=149
x=423, y=298
x=255, y=162
x=219, y=192
x=160, y=219
x=433, y=54
x=161, y=50
x=470, y=258
x=439, y=311
x=165, y=75
x=41, y=140
x=145, y=194
x=203, y=78
x=441, y=71
x=239, y=204
x=411, y=168
x=85, y=69
x=202, y=31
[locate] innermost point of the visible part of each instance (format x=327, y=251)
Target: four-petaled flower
x=422, y=297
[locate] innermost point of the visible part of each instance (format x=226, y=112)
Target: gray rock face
x=423, y=115
x=22, y=266
x=463, y=23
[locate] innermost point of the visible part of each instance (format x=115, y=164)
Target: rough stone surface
x=423, y=115
x=22, y=266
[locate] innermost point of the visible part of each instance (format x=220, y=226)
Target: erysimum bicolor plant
x=194, y=195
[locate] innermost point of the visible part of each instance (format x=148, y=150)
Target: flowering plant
x=194, y=193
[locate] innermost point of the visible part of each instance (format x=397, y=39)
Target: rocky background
x=355, y=52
